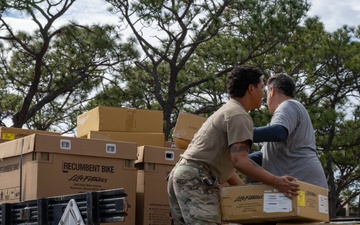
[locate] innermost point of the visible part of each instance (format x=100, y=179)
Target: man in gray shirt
x=289, y=147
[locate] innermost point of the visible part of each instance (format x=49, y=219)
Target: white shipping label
x=276, y=202
x=323, y=204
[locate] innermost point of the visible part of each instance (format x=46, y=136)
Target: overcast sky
x=336, y=13
x=333, y=13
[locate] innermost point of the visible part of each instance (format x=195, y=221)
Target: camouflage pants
x=194, y=195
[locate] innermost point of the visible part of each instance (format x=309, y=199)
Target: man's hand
x=287, y=185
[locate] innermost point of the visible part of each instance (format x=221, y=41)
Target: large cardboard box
x=260, y=203
x=3, y=140
x=186, y=126
x=11, y=133
x=154, y=139
x=119, y=119
x=41, y=165
x=152, y=202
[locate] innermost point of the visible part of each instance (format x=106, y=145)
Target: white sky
x=336, y=13
x=82, y=11
x=333, y=13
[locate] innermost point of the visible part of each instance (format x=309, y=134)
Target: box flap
x=87, y=121
x=11, y=148
x=187, y=125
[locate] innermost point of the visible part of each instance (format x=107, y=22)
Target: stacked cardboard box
x=3, y=140
x=152, y=202
x=11, y=133
x=144, y=127
x=154, y=139
x=40, y=165
x=186, y=126
x=260, y=203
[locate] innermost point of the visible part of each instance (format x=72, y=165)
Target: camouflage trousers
x=194, y=195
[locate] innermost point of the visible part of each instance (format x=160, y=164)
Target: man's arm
x=239, y=156
x=271, y=133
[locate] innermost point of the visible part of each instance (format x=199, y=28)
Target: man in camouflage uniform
x=218, y=149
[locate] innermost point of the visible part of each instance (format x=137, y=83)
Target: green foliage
x=52, y=72
x=330, y=93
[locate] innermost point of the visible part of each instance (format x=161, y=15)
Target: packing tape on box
x=131, y=120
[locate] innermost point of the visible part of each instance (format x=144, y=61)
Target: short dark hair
x=283, y=83
x=240, y=78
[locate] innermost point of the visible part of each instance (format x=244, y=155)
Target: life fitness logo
x=244, y=198
x=310, y=193
x=85, y=167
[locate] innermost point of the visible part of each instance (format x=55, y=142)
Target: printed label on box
x=301, y=199
x=323, y=204
x=158, y=214
x=8, y=136
x=276, y=202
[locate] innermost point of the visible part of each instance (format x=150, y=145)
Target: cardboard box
x=3, y=140
x=41, y=165
x=169, y=144
x=186, y=126
x=11, y=133
x=154, y=139
x=260, y=203
x=119, y=119
x=152, y=202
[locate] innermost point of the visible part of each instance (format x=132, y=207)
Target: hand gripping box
x=152, y=201
x=39, y=165
x=186, y=126
x=119, y=119
x=260, y=203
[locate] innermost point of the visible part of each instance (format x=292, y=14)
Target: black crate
x=95, y=207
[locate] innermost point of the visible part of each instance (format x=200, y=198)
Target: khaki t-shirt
x=228, y=125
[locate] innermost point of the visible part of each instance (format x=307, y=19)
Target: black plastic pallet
x=95, y=207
